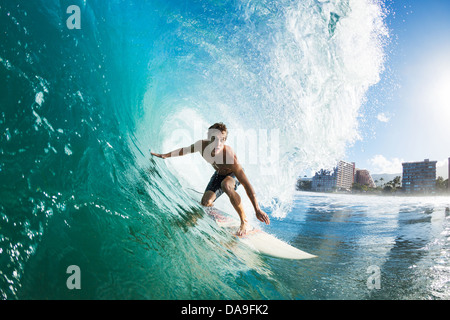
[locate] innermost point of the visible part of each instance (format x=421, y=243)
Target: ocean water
x=404, y=242
x=80, y=108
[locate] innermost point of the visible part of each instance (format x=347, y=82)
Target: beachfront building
x=364, y=178
x=340, y=178
x=345, y=175
x=324, y=181
x=419, y=177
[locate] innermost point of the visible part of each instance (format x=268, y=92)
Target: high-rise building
x=340, y=178
x=364, y=178
x=419, y=177
x=345, y=175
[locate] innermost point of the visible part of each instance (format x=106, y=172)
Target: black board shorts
x=214, y=184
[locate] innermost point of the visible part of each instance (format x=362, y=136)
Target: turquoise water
x=81, y=108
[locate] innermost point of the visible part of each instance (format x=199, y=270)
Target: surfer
x=228, y=174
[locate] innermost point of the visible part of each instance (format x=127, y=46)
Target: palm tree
x=397, y=182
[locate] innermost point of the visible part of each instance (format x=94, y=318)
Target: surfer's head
x=217, y=134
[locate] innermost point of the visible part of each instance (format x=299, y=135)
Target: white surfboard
x=257, y=239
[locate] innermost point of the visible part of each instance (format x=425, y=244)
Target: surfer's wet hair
x=219, y=126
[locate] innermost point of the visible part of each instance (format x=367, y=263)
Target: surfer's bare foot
x=242, y=230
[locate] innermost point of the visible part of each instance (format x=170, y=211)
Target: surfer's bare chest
x=218, y=162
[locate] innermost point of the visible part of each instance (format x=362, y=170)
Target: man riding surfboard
x=228, y=174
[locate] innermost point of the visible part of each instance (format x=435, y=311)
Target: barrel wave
x=80, y=109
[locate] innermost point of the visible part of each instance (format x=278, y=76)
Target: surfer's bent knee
x=228, y=186
x=208, y=201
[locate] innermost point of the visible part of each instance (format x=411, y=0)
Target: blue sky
x=408, y=113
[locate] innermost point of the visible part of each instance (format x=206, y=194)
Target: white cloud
x=382, y=117
x=381, y=164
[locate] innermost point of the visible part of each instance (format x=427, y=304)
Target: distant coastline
x=389, y=188
x=382, y=194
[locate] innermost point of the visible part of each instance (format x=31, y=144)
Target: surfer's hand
x=162, y=156
x=262, y=216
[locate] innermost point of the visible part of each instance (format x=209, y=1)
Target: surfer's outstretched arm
x=196, y=147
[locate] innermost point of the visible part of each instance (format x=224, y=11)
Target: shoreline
x=381, y=194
